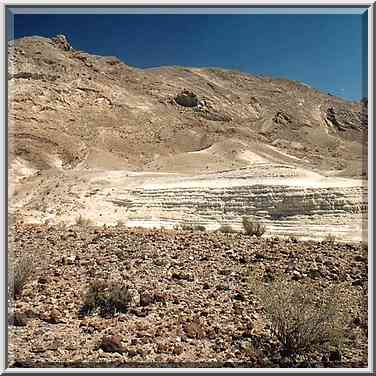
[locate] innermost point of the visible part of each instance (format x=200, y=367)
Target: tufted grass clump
x=330, y=238
x=252, y=227
x=82, y=221
x=21, y=271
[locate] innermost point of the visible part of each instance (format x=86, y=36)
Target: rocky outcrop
x=187, y=99
x=256, y=200
x=61, y=41
x=282, y=118
x=343, y=119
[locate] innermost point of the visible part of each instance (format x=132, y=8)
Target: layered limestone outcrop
x=263, y=201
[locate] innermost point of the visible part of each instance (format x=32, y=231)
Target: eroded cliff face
x=172, y=144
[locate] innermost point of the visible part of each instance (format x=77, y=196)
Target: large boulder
x=187, y=99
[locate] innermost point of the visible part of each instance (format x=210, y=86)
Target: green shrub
x=252, y=227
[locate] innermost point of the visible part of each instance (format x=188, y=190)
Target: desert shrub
x=199, y=228
x=106, y=297
x=252, y=227
x=330, y=238
x=120, y=223
x=293, y=239
x=302, y=318
x=189, y=227
x=82, y=221
x=21, y=271
x=227, y=229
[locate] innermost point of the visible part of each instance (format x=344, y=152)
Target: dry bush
x=22, y=270
x=189, y=227
x=108, y=297
x=120, y=223
x=82, y=221
x=304, y=319
x=252, y=227
x=227, y=229
x=330, y=238
x=199, y=228
x=184, y=227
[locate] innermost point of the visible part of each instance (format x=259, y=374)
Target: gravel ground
x=191, y=301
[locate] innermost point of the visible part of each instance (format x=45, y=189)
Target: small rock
x=206, y=286
x=194, y=330
x=54, y=317
x=329, y=264
x=276, y=357
x=318, y=259
x=139, y=312
x=18, y=319
x=296, y=276
x=314, y=273
x=360, y=258
x=358, y=282
x=248, y=330
x=23, y=364
x=42, y=280
x=335, y=356
x=112, y=344
x=146, y=299
x=357, y=321
x=178, y=349
x=268, y=277
x=239, y=296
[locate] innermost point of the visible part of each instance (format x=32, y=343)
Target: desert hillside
x=92, y=136
x=70, y=109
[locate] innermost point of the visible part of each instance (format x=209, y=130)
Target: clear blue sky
x=328, y=52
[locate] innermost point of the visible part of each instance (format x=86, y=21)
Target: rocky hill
x=69, y=109
x=92, y=136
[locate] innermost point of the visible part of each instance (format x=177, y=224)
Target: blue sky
x=327, y=52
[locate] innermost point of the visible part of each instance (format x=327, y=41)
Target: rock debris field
x=192, y=302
